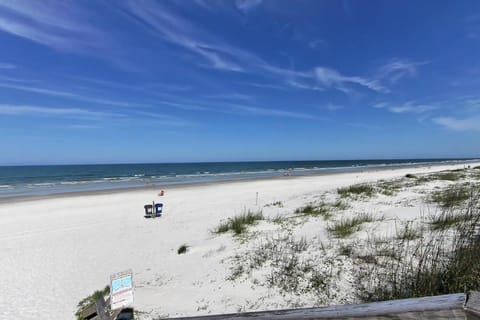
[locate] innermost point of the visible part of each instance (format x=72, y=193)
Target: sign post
x=121, y=290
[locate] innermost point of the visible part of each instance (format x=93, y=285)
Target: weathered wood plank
x=437, y=307
x=472, y=306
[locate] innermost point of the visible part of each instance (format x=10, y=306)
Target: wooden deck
x=452, y=306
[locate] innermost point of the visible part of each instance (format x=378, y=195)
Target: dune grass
x=408, y=233
x=345, y=250
x=448, y=176
x=389, y=188
x=447, y=261
x=357, y=190
x=347, y=226
x=447, y=220
x=321, y=209
x=340, y=205
x=452, y=196
x=239, y=224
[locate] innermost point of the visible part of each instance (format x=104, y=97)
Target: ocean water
x=53, y=179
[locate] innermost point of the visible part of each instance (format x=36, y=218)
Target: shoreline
x=328, y=172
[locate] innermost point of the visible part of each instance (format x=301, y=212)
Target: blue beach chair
x=158, y=209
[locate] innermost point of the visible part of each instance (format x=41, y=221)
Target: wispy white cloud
x=83, y=126
x=184, y=106
x=175, y=29
x=303, y=85
x=26, y=110
x=466, y=124
x=265, y=85
x=318, y=43
x=286, y=73
x=6, y=65
x=71, y=95
x=229, y=96
x=97, y=116
x=247, y=5
x=150, y=88
x=272, y=112
x=170, y=25
x=408, y=107
x=18, y=80
x=333, y=107
x=411, y=108
x=59, y=25
x=363, y=125
x=163, y=119
x=330, y=78
x=398, y=69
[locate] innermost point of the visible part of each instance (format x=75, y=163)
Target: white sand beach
x=57, y=250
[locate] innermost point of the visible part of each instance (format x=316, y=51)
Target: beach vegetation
x=368, y=258
x=451, y=196
x=347, y=226
x=388, y=252
x=276, y=204
x=278, y=219
x=446, y=261
x=182, y=249
x=407, y=232
x=345, y=250
x=448, y=176
x=321, y=209
x=356, y=191
x=239, y=223
x=447, y=219
x=389, y=188
x=340, y=205
x=86, y=302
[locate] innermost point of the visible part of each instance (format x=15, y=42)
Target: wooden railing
x=451, y=306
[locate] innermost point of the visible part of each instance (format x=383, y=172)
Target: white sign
x=121, y=290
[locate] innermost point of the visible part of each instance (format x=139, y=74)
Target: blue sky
x=206, y=80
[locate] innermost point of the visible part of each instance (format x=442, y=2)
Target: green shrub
x=182, y=249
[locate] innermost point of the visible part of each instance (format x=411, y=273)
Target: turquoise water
x=45, y=180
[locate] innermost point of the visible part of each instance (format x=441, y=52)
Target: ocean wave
x=105, y=177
